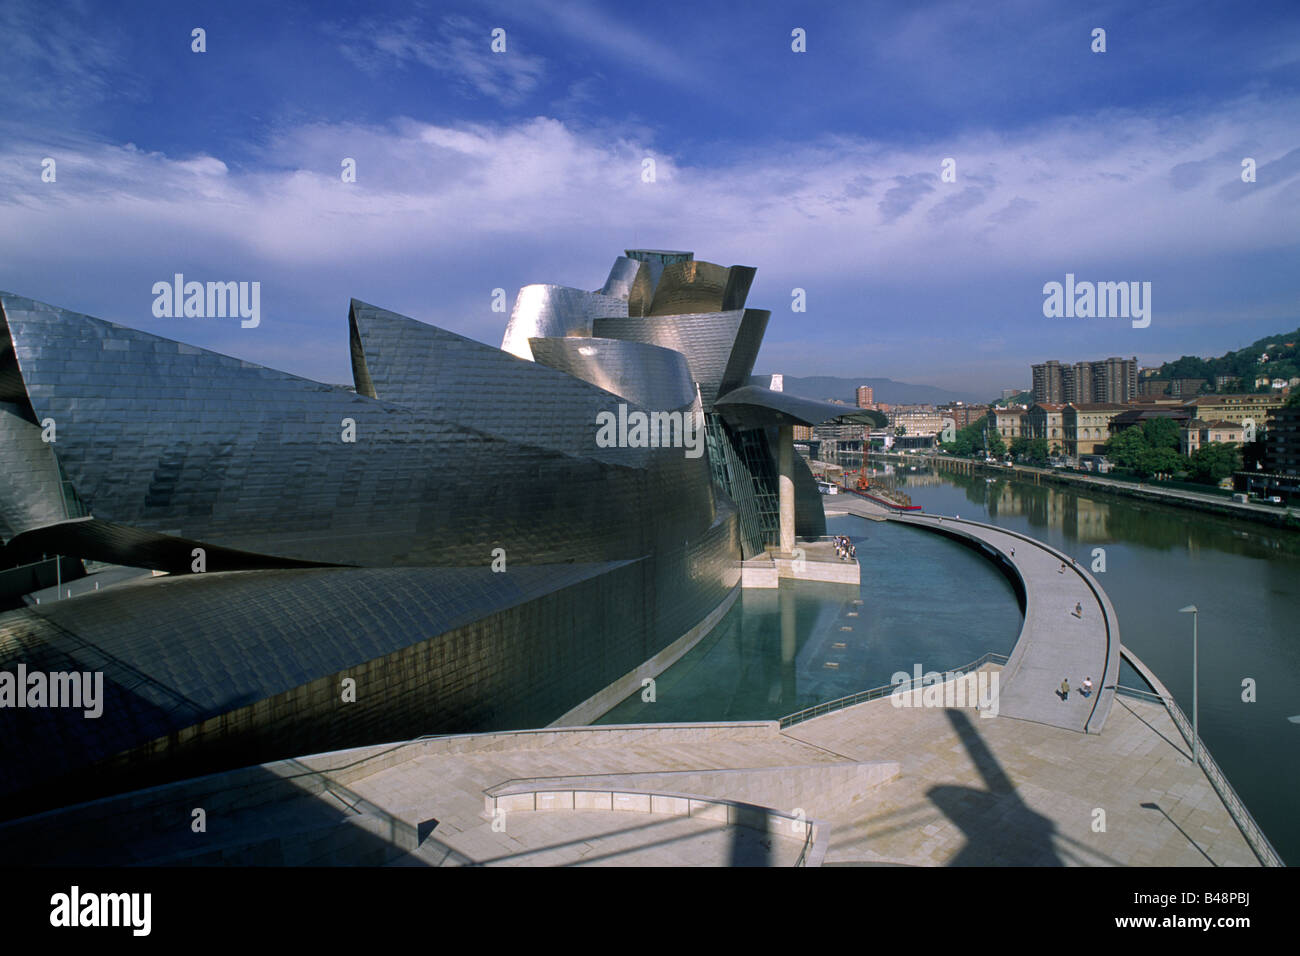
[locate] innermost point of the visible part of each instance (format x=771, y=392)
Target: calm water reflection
x=923, y=599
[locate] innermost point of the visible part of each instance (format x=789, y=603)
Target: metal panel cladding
x=543, y=311
x=647, y=375
x=706, y=339
x=174, y=439
x=697, y=286
x=623, y=277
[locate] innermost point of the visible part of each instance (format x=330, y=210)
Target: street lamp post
x=1196, y=734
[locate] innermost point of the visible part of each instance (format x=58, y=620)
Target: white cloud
x=1076, y=191
x=537, y=200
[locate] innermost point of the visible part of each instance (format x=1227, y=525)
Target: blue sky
x=478, y=170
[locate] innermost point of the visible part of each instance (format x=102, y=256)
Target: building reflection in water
x=1104, y=519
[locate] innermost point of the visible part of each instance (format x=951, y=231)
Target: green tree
x=1126, y=449
x=1162, y=460
x=1213, y=462
x=900, y=431
x=1031, y=450
x=1161, y=433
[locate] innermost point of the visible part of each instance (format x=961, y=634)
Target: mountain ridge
x=824, y=387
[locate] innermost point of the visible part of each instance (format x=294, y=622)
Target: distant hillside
x=886, y=390
x=1283, y=353
x=1020, y=398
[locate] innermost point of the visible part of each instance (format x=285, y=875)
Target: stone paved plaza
x=969, y=790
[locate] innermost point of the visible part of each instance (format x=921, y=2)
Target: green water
x=923, y=600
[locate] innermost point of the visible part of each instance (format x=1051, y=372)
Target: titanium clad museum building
x=457, y=545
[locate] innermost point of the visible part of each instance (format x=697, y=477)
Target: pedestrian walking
x=1078, y=609
x=1065, y=689
x=1087, y=687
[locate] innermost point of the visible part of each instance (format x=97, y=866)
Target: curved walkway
x=1055, y=642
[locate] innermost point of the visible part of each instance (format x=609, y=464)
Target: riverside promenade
x=1070, y=630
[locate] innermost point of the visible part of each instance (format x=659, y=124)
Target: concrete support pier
x=785, y=483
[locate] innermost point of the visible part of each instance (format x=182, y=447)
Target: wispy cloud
x=454, y=46
x=52, y=65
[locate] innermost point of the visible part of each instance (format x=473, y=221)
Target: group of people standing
x=844, y=548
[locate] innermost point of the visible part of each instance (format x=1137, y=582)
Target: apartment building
x=1086, y=426
x=1196, y=433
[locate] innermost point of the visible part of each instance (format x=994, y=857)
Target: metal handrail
x=1253, y=833
x=808, y=825
x=1139, y=693
x=807, y=845
x=830, y=706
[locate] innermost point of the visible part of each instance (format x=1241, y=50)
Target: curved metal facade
x=646, y=375
x=222, y=670
x=543, y=311
x=708, y=341
x=623, y=278
x=354, y=533
x=752, y=406
x=176, y=440
x=696, y=286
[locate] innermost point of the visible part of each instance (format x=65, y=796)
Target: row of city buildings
x=1078, y=429
x=1117, y=380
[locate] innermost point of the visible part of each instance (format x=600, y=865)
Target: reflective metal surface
x=696, y=286
x=647, y=375
x=752, y=406
x=180, y=441
x=706, y=339
x=623, y=276
x=543, y=311
x=612, y=550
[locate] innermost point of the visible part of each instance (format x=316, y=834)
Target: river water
x=1244, y=579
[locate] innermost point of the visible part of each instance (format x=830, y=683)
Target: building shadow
x=1186, y=835
x=1000, y=830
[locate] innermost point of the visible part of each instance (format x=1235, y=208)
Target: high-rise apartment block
x=1112, y=380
